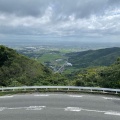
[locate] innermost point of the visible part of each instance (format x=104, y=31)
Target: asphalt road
x=59, y=107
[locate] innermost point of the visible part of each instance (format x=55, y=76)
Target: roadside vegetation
x=107, y=77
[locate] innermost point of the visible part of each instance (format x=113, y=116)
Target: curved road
x=59, y=107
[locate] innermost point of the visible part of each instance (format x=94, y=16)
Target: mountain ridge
x=101, y=57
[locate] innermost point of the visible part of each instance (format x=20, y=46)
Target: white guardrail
x=68, y=88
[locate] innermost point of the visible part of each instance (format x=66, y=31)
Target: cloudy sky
x=83, y=20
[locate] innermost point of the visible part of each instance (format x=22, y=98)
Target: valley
x=69, y=58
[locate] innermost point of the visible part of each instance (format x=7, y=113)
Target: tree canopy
x=17, y=70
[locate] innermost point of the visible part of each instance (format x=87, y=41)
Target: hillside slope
x=16, y=69
x=101, y=57
x=106, y=77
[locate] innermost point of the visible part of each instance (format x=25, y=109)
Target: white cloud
x=63, y=18
x=26, y=21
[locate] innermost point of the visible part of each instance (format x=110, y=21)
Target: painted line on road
x=112, y=113
x=2, y=108
x=41, y=95
x=35, y=107
x=6, y=96
x=81, y=109
x=26, y=108
x=88, y=110
x=69, y=109
x=105, y=112
x=77, y=109
x=79, y=96
x=17, y=108
x=109, y=98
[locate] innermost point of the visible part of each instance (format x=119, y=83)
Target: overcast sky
x=83, y=20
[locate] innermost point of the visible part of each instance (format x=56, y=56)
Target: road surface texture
x=59, y=107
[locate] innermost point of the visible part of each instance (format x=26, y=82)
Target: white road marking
x=17, y=108
x=41, y=95
x=88, y=110
x=72, y=109
x=112, y=113
x=75, y=96
x=6, y=96
x=2, y=108
x=26, y=108
x=35, y=107
x=81, y=109
x=77, y=109
x=109, y=98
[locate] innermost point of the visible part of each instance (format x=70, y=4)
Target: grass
x=49, y=57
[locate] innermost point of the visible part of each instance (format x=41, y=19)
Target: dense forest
x=108, y=77
x=19, y=70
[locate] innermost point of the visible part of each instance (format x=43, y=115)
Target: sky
x=76, y=20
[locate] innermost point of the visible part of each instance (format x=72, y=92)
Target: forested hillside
x=108, y=77
x=101, y=57
x=18, y=70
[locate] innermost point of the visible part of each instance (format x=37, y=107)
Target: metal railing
x=67, y=88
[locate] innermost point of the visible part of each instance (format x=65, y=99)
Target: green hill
x=17, y=70
x=108, y=77
x=101, y=57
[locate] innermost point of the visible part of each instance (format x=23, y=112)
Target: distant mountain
x=16, y=69
x=101, y=57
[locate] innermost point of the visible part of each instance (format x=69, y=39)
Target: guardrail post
x=116, y=92
x=91, y=90
x=2, y=89
x=57, y=89
x=24, y=89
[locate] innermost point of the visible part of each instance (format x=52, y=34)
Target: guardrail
x=68, y=88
